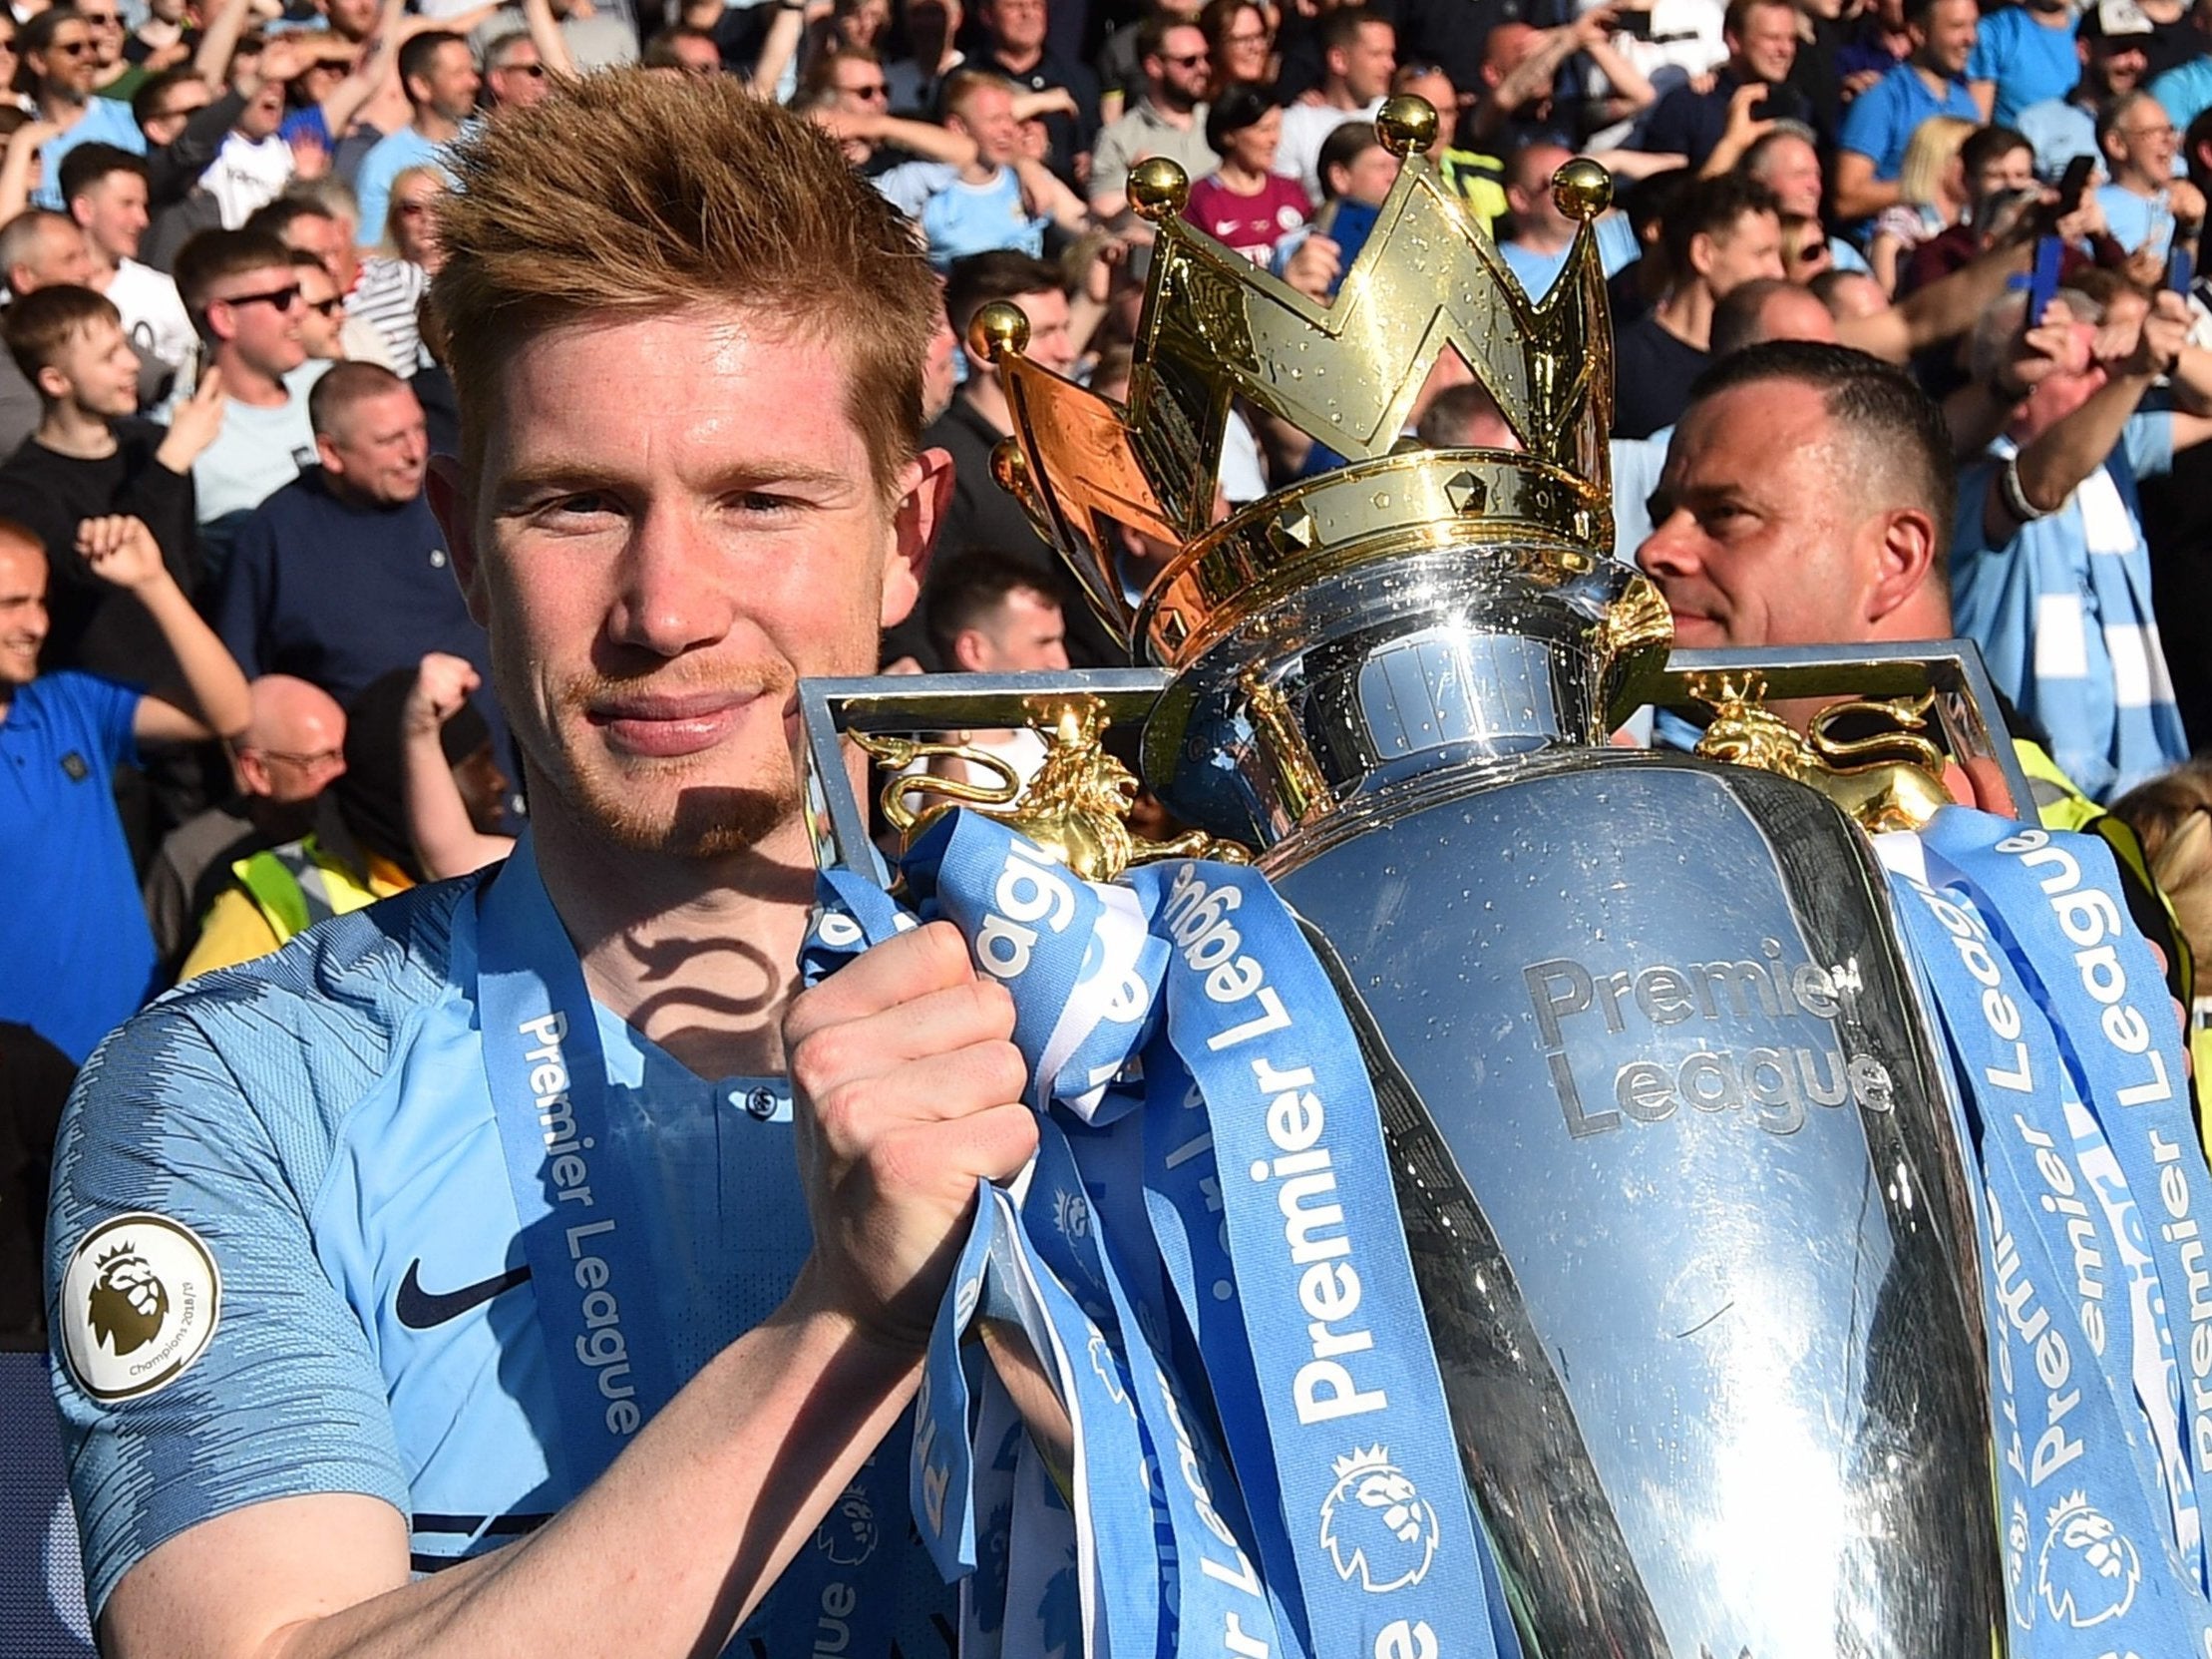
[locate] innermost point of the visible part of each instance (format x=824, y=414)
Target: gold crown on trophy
x=1215, y=328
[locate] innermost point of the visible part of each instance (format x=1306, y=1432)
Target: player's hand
x=122, y=551
x=441, y=685
x=908, y=1089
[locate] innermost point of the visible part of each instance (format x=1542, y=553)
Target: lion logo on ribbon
x=1375, y=1524
x=2088, y=1569
x=128, y=1302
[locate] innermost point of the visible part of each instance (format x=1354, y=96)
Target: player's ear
x=926, y=492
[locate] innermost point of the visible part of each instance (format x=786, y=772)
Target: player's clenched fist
x=908, y=1088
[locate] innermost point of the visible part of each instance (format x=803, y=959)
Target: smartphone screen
x=2049, y=253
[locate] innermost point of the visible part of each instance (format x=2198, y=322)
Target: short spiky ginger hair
x=632, y=193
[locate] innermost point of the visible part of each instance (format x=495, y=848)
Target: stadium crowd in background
x=226, y=383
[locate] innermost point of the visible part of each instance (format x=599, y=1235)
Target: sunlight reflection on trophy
x=1672, y=1148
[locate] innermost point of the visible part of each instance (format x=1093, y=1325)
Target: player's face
x=22, y=613
x=1752, y=541
x=675, y=521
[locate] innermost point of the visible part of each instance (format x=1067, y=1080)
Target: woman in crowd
x=1805, y=250
x=1932, y=184
x=393, y=278
x=1243, y=203
x=1241, y=37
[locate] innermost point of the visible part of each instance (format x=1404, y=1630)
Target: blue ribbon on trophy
x=2063, y=1050
x=1266, y=1256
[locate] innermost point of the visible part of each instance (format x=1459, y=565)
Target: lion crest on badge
x=1375, y=1524
x=848, y=1533
x=128, y=1303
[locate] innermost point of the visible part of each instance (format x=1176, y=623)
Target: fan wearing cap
x=2111, y=44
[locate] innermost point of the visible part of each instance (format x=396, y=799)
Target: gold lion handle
x=1076, y=807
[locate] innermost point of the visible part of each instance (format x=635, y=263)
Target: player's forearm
x=669, y=1550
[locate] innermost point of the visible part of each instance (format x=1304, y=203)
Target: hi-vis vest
x=299, y=884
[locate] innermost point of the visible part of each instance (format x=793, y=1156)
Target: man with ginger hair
x=420, y=1406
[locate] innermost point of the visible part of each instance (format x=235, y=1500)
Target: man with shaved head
x=1765, y=308
x=292, y=749
x=1807, y=500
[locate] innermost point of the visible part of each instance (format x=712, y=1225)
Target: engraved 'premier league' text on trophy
x=1669, y=1147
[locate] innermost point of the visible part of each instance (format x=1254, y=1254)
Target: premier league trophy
x=1671, y=1144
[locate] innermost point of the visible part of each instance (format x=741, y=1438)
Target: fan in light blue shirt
x=104, y=122
x=2062, y=611
x=387, y=159
x=2022, y=56
x=1881, y=121
x=2186, y=93
x=959, y=218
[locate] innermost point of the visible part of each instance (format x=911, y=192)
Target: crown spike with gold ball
x=1216, y=329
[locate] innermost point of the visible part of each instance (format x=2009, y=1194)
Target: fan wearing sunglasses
x=1167, y=120
x=58, y=70
x=844, y=91
x=245, y=297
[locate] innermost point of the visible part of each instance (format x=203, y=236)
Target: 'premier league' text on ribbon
x=1198, y=920
x=603, y=1347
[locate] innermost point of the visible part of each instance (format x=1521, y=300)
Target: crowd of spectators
x=222, y=392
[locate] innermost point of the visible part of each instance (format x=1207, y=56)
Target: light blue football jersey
x=284, y=1259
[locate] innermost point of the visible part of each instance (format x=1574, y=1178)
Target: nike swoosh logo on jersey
x=420, y=1310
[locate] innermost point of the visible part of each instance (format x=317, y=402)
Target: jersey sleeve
x=203, y=1360
x=909, y=186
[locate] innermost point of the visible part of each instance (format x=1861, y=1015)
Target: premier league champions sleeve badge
x=138, y=1304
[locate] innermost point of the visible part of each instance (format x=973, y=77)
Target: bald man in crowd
x=293, y=748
